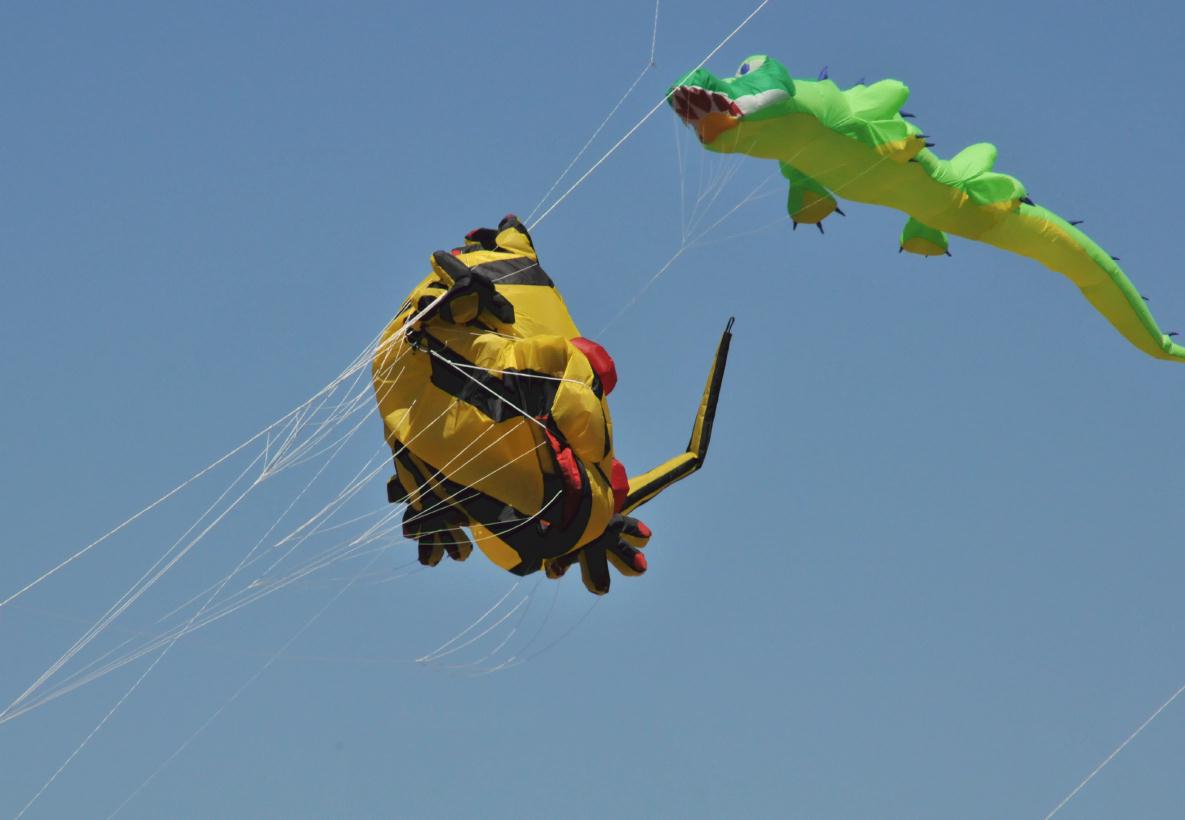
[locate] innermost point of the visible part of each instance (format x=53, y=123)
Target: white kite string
x=173, y=634
x=649, y=65
x=355, y=368
x=242, y=688
x=469, y=628
x=145, y=582
x=590, y=140
x=641, y=122
x=654, y=32
x=1117, y=750
x=362, y=359
x=477, y=663
x=142, y=585
x=356, y=365
x=711, y=193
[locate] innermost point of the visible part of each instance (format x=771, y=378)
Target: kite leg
x=649, y=484
x=809, y=201
x=923, y=240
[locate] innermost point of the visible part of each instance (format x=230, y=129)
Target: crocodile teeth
x=691, y=103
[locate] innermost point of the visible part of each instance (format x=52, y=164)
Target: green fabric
x=919, y=238
x=856, y=143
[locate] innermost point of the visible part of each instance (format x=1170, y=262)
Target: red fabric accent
x=643, y=530
x=639, y=562
x=601, y=361
x=566, y=459
x=620, y=482
x=456, y=251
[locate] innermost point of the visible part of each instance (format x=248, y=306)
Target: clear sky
x=932, y=569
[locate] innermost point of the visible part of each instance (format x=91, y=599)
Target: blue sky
x=931, y=570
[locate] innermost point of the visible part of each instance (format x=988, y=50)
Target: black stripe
x=713, y=393
x=712, y=396
x=484, y=238
x=396, y=494
x=404, y=458
x=529, y=539
x=517, y=271
x=608, y=435
x=661, y=481
x=494, y=395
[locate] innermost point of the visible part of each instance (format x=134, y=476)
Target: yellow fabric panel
x=621, y=566
x=901, y=151
x=479, y=257
x=501, y=460
x=465, y=309
x=581, y=416
x=515, y=241
x=542, y=354
x=814, y=208
x=539, y=311
x=1054, y=247
x=508, y=460
x=500, y=553
x=497, y=550
x=646, y=486
x=602, y=506
x=922, y=246
x=706, y=406
x=669, y=467
x=396, y=372
x=855, y=171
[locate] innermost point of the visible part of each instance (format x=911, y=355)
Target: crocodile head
x=760, y=89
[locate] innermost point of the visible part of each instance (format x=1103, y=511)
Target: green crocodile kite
x=860, y=144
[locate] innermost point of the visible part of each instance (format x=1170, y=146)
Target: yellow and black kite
x=495, y=409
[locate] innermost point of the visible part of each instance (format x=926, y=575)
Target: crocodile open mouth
x=710, y=113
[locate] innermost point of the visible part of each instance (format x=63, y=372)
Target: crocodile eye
x=751, y=64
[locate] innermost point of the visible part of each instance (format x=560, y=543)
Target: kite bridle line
x=642, y=121
x=294, y=416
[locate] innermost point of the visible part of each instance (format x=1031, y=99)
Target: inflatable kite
x=859, y=143
x=495, y=410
